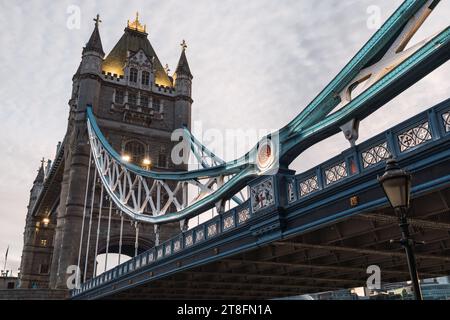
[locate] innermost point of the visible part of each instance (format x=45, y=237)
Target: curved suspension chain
x=382, y=63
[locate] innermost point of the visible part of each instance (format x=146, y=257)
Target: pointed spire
x=183, y=65
x=95, y=42
x=41, y=173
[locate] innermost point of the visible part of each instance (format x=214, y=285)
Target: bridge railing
x=208, y=230
x=424, y=128
x=399, y=141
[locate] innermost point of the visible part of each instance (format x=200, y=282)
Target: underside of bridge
x=330, y=258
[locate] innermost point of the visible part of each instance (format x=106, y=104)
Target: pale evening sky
x=255, y=63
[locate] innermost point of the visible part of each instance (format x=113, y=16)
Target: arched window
x=136, y=151
x=162, y=160
x=133, y=75
x=145, y=78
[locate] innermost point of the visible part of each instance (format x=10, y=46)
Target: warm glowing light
x=136, y=25
x=46, y=221
x=147, y=162
x=112, y=70
x=126, y=158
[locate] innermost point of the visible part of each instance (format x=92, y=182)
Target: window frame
x=133, y=75
x=145, y=78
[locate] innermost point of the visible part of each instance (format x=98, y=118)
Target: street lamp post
x=396, y=185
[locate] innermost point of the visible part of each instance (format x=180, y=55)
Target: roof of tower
x=95, y=42
x=183, y=65
x=134, y=39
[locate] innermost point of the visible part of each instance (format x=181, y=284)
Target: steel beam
x=359, y=250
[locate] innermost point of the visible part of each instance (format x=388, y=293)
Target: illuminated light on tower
x=136, y=25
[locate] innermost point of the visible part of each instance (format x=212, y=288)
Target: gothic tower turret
x=138, y=105
x=91, y=69
x=86, y=91
x=31, y=264
x=183, y=89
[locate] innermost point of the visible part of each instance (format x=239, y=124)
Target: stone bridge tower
x=138, y=105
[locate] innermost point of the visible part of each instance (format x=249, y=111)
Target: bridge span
x=306, y=233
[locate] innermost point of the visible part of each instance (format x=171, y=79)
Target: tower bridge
x=320, y=230
x=113, y=187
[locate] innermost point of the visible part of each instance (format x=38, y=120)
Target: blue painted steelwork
x=267, y=225
x=390, y=138
x=198, y=149
x=317, y=121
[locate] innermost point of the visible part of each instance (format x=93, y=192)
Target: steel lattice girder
x=383, y=63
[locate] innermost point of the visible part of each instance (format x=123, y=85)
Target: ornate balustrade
x=266, y=192
x=399, y=141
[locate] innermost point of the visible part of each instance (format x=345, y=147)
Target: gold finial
x=97, y=20
x=183, y=45
x=166, y=68
x=136, y=25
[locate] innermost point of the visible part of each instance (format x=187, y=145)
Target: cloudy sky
x=256, y=64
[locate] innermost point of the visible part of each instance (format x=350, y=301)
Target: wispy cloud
x=262, y=60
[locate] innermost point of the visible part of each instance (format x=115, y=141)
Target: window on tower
x=144, y=101
x=156, y=104
x=133, y=75
x=162, y=160
x=132, y=98
x=145, y=78
x=135, y=150
x=43, y=268
x=119, y=97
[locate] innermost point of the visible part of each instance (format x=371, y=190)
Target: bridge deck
x=308, y=239
x=329, y=258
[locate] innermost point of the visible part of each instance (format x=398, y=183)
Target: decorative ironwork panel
x=168, y=250
x=199, y=235
x=139, y=196
x=375, y=155
x=228, y=222
x=262, y=195
x=176, y=246
x=308, y=186
x=151, y=257
x=290, y=191
x=160, y=253
x=143, y=260
x=243, y=215
x=414, y=137
x=212, y=230
x=336, y=173
x=189, y=240
x=446, y=117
